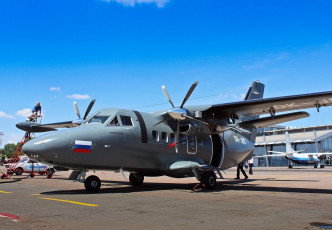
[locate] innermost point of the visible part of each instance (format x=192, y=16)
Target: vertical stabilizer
x=289, y=148
x=256, y=91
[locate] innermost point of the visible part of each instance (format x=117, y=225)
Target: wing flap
x=267, y=121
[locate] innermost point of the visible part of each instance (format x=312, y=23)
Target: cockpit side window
x=126, y=120
x=114, y=122
x=98, y=119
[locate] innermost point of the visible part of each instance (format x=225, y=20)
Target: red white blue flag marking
x=83, y=146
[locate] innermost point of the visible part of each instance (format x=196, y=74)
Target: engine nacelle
x=196, y=129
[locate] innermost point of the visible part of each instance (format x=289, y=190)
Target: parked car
x=26, y=165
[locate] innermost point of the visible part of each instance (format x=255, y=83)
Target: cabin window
x=164, y=137
x=126, y=121
x=155, y=135
x=114, y=122
x=98, y=119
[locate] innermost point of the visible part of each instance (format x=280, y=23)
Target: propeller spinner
x=178, y=113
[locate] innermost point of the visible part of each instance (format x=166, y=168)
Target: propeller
x=81, y=120
x=178, y=113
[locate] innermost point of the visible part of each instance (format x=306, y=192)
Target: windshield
x=98, y=119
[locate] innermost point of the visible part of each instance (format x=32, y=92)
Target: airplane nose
x=44, y=147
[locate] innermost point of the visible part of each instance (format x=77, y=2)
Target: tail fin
x=256, y=91
x=289, y=148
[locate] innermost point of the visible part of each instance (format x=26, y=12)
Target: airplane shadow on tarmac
x=238, y=185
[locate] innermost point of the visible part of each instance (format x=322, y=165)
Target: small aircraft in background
x=193, y=141
x=297, y=157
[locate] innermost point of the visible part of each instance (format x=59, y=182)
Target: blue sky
x=121, y=52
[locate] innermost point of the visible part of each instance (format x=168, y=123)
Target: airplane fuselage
x=128, y=140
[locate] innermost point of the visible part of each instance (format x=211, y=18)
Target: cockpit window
x=114, y=122
x=98, y=119
x=126, y=121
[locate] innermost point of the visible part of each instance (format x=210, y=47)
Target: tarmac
x=272, y=198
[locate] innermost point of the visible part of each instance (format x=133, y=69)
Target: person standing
x=251, y=164
x=240, y=167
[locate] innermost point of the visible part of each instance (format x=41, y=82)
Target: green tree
x=9, y=150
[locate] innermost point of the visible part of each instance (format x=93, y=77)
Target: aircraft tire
x=32, y=175
x=209, y=179
x=18, y=171
x=50, y=171
x=136, y=179
x=322, y=166
x=92, y=184
x=315, y=166
x=290, y=166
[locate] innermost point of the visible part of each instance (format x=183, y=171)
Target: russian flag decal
x=83, y=146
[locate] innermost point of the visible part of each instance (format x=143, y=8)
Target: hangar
x=310, y=139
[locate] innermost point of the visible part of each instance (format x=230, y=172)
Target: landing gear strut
x=136, y=179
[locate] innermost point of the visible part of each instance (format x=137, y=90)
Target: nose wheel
x=92, y=184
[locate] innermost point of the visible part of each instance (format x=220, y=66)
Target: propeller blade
x=162, y=121
x=77, y=110
x=189, y=93
x=89, y=108
x=167, y=95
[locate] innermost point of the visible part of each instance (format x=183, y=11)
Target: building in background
x=310, y=139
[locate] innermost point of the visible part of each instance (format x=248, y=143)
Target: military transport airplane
x=296, y=157
x=193, y=141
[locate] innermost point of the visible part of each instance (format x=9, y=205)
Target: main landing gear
x=136, y=179
x=209, y=179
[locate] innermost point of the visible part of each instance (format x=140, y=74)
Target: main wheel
x=322, y=166
x=290, y=166
x=50, y=171
x=92, y=184
x=136, y=179
x=18, y=171
x=315, y=166
x=32, y=175
x=209, y=179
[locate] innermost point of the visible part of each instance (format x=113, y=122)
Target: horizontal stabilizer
x=267, y=121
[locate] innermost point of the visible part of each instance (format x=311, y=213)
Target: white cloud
x=159, y=3
x=24, y=112
x=5, y=115
x=270, y=59
x=13, y=138
x=55, y=88
x=79, y=96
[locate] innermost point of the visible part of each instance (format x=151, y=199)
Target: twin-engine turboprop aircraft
x=297, y=157
x=193, y=141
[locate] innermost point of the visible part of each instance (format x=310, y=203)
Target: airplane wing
x=272, y=155
x=66, y=124
x=29, y=126
x=324, y=154
x=269, y=105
